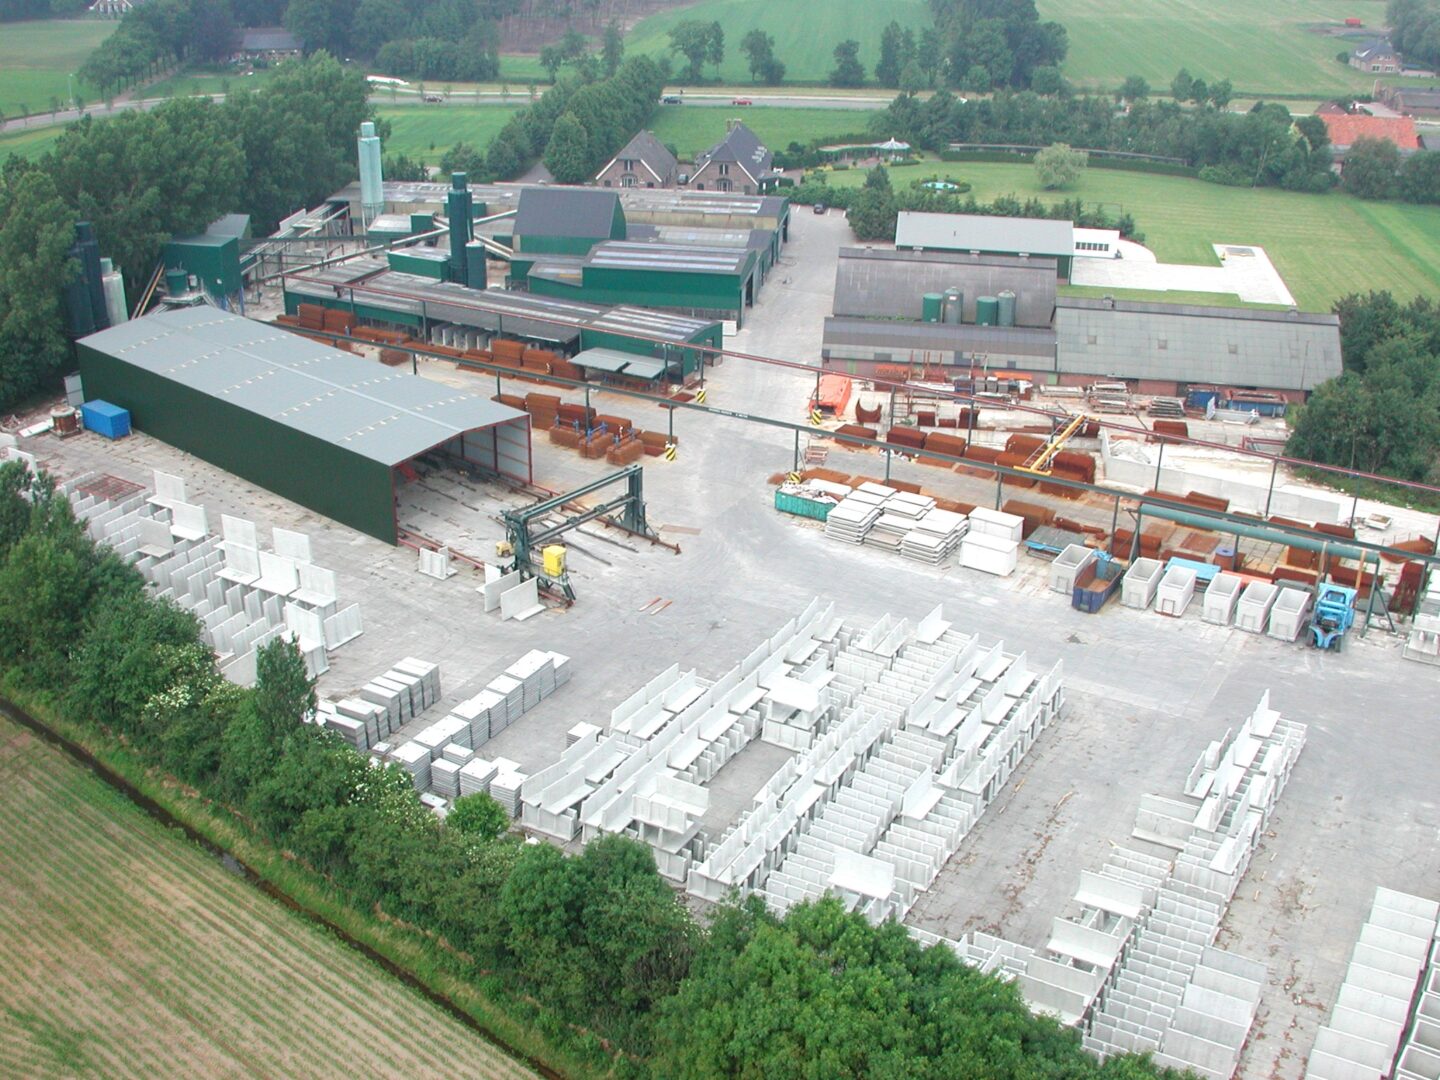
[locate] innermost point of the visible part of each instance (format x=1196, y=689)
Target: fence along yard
x=127, y=952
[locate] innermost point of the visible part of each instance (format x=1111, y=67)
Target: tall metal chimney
x=459, y=208
x=372, y=182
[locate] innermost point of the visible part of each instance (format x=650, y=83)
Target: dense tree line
x=143, y=177
x=1382, y=414
x=15, y=10
x=1415, y=30
x=1374, y=169
x=1263, y=147
x=575, y=126
x=585, y=948
x=158, y=34
x=989, y=44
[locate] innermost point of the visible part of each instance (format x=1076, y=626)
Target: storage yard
x=926, y=667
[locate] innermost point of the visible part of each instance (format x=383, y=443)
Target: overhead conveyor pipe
x=1254, y=532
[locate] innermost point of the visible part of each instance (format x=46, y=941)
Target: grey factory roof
x=668, y=258
x=500, y=310
x=900, y=341
x=983, y=232
x=1186, y=343
x=268, y=39
x=376, y=412
x=742, y=146
x=566, y=211
x=891, y=284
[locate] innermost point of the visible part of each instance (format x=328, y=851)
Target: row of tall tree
x=1382, y=414
x=992, y=44
x=145, y=176
x=1263, y=147
x=159, y=34
x=1415, y=30
x=1374, y=169
x=594, y=951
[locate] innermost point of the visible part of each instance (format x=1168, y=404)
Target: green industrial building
x=428, y=308
x=213, y=256
x=322, y=428
x=715, y=281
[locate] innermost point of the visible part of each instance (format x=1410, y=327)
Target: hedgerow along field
x=691, y=128
x=1325, y=246
x=35, y=58
x=805, y=34
x=1260, y=47
x=126, y=951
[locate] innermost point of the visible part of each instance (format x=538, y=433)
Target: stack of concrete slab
x=414, y=759
x=445, y=778
x=243, y=597
x=935, y=536
x=505, y=785
x=1385, y=987
x=900, y=513
x=475, y=777
x=1422, y=643
x=851, y=520
x=1133, y=963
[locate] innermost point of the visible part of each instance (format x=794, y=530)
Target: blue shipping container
x=105, y=419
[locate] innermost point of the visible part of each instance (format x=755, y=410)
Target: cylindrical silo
x=931, y=305
x=462, y=229
x=1007, y=307
x=372, y=186
x=987, y=310
x=954, y=308
x=177, y=282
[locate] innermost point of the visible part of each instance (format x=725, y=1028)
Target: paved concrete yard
x=1146, y=693
x=1244, y=270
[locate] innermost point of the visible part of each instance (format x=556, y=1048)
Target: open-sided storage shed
x=326, y=429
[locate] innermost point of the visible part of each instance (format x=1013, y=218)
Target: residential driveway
x=1244, y=271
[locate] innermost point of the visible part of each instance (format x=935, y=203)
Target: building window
x=627, y=181
x=722, y=185
x=1091, y=339
x=607, y=183
x=1162, y=343
x=1234, y=350
x=724, y=169
x=649, y=183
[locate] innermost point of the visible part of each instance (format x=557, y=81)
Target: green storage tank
x=1007, y=307
x=930, y=306
x=987, y=311
x=477, y=273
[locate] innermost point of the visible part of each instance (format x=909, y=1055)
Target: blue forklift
x=1333, y=616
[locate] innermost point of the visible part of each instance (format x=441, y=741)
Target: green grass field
x=1324, y=246
x=207, y=82
x=695, y=127
x=30, y=145
x=1265, y=47
x=805, y=37
x=426, y=132
x=126, y=951
x=35, y=57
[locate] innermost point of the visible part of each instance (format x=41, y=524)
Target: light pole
x=70, y=82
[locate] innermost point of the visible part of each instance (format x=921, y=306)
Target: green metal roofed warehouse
x=326, y=429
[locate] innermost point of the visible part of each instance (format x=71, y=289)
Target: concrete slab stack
x=1133, y=962
x=1392, y=984
x=852, y=518
x=1422, y=643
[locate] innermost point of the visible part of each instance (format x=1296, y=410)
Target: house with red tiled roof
x=1345, y=128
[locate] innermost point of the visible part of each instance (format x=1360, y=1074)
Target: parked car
x=820, y=208
x=670, y=99
x=741, y=101
x=433, y=99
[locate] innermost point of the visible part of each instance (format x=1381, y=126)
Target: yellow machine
x=1041, y=460
x=553, y=557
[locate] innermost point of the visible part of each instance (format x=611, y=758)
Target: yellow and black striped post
x=793, y=477
x=700, y=396
x=815, y=417
x=670, y=451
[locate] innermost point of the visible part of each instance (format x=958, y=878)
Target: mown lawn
x=1262, y=47
x=207, y=82
x=695, y=127
x=1324, y=246
x=36, y=57
x=29, y=144
x=125, y=951
x=805, y=34
x=427, y=131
